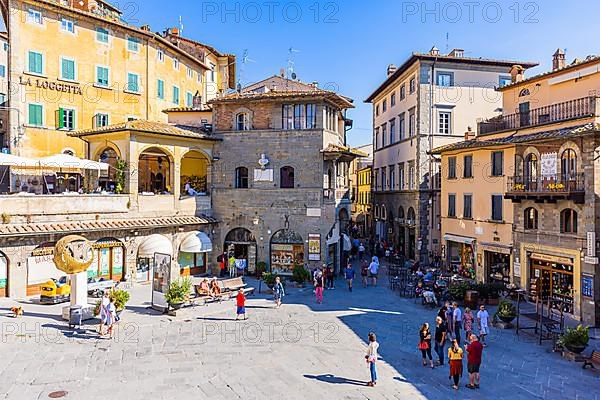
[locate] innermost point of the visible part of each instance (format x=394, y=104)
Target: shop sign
x=587, y=286
x=590, y=260
x=517, y=269
x=591, y=244
x=44, y=84
x=314, y=247
x=553, y=259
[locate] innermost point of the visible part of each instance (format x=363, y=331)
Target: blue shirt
x=349, y=273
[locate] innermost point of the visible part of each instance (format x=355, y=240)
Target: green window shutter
x=161, y=89
x=35, y=62
x=31, y=62
x=35, y=115
x=61, y=118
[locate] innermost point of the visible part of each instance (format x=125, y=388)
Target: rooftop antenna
x=447, y=42
x=180, y=25
x=245, y=60
x=291, y=74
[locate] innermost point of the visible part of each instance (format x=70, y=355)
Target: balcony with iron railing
x=565, y=111
x=547, y=188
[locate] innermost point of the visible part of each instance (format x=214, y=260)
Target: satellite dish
x=294, y=76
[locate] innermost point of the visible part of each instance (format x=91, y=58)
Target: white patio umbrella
x=60, y=161
x=15, y=161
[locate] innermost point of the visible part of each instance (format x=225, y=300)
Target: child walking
x=241, y=305
x=371, y=358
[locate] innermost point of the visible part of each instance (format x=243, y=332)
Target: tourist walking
x=440, y=339
x=319, y=285
x=364, y=272
x=330, y=277
x=349, y=275
x=371, y=358
x=455, y=356
x=278, y=292
x=361, y=251
x=468, y=320
x=483, y=320
x=450, y=320
x=425, y=344
x=474, y=351
x=374, y=269
x=457, y=321
x=104, y=310
x=442, y=312
x=111, y=318
x=240, y=300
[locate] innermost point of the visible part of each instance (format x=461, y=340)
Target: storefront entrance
x=145, y=258
x=552, y=279
x=193, y=252
x=241, y=244
x=287, y=250
x=108, y=260
x=497, y=266
x=461, y=256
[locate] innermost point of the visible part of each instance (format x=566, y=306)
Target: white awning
x=68, y=161
x=459, y=239
x=155, y=244
x=16, y=161
x=335, y=237
x=196, y=242
x=347, y=243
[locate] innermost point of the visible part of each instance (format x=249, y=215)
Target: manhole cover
x=58, y=394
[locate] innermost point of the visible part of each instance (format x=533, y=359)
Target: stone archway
x=240, y=244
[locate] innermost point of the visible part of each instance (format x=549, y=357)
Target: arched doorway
x=147, y=251
x=412, y=235
x=154, y=172
x=344, y=218
x=287, y=250
x=241, y=244
x=391, y=239
x=108, y=178
x=401, y=231
x=3, y=275
x=194, y=172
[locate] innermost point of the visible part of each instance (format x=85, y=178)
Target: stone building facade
x=427, y=102
x=280, y=182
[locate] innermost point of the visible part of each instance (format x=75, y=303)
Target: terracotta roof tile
x=339, y=100
x=563, y=133
x=86, y=226
x=159, y=128
x=186, y=109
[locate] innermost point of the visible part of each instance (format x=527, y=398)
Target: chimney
x=469, y=134
x=516, y=73
x=315, y=84
x=434, y=51
x=391, y=69
x=175, y=31
x=197, y=101
x=558, y=60
x=145, y=28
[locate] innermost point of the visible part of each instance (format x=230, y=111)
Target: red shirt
x=474, y=351
x=241, y=300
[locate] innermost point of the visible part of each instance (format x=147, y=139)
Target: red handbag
x=423, y=345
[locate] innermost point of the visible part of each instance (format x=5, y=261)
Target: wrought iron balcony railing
x=549, y=184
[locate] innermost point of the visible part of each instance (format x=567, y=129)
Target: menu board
x=314, y=247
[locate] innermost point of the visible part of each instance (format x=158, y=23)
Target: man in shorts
x=474, y=351
x=373, y=269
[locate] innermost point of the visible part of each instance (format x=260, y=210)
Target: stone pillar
x=79, y=295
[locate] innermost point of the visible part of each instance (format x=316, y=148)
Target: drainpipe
x=431, y=158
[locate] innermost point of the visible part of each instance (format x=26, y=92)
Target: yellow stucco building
x=531, y=174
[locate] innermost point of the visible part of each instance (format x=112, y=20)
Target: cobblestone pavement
x=300, y=351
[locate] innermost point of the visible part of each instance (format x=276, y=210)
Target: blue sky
x=347, y=45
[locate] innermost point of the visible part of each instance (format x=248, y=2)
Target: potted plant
x=575, y=340
x=300, y=275
x=269, y=279
x=506, y=311
x=261, y=267
x=178, y=293
x=121, y=298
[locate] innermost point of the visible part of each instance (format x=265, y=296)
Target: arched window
x=242, y=122
x=410, y=216
x=531, y=218
x=568, y=221
x=241, y=178
x=400, y=212
x=568, y=165
x=286, y=175
x=531, y=167
x=383, y=213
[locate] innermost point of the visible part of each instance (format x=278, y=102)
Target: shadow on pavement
x=329, y=378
